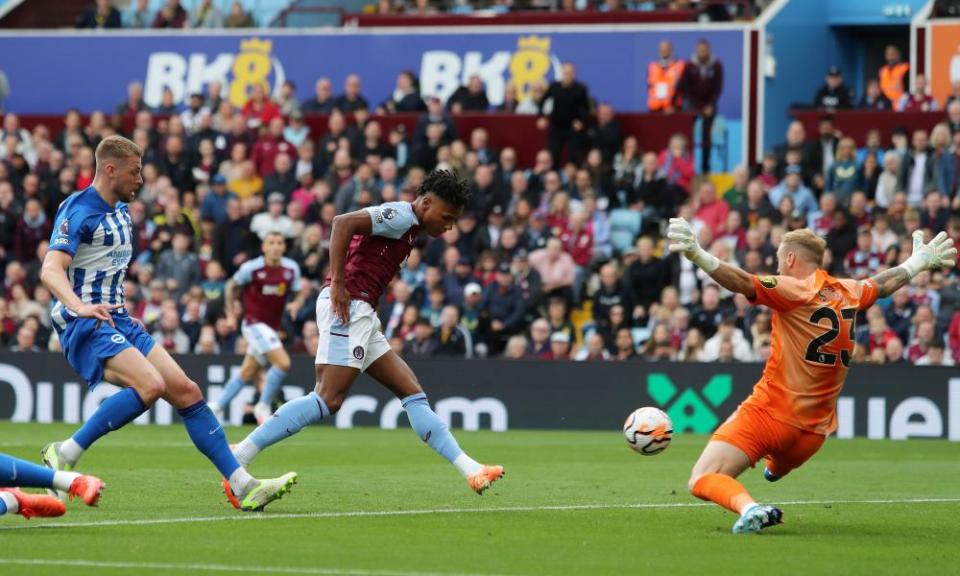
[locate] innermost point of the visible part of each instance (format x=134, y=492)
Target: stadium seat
x=624, y=227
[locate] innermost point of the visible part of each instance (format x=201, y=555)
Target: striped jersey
x=99, y=238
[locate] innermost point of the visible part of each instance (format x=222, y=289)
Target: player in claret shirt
x=266, y=282
x=793, y=408
x=367, y=248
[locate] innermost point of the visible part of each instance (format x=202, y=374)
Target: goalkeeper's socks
x=116, y=412
x=432, y=430
x=723, y=490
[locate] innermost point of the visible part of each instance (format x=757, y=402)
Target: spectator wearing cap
x=269, y=146
x=472, y=317
x=274, y=219
x=528, y=281
x=503, y=305
x=323, y=100
x=834, y=94
x=171, y=15
x=101, y=16
x=214, y=203
x=178, y=267
x=487, y=236
x=792, y=186
x=352, y=98
x=918, y=100
x=567, y=118
x=559, y=347
x=556, y=268
x=452, y=339
x=469, y=98
x=873, y=97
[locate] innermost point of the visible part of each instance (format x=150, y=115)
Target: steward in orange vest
x=662, y=78
x=893, y=75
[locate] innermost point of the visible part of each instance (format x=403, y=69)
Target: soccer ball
x=648, y=430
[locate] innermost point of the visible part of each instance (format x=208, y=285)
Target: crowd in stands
x=205, y=14
x=563, y=259
x=213, y=14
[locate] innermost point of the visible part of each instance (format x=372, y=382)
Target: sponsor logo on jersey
x=118, y=339
x=767, y=281
x=274, y=289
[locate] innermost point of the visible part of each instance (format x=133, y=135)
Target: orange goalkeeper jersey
x=812, y=343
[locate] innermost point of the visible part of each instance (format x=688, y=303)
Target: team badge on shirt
x=358, y=352
x=767, y=281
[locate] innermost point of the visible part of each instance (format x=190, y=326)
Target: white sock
x=467, y=465
x=62, y=480
x=748, y=508
x=245, y=451
x=241, y=482
x=11, y=501
x=71, y=451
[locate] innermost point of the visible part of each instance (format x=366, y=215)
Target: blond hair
x=116, y=148
x=811, y=245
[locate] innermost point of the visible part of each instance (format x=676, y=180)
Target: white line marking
x=223, y=568
x=424, y=512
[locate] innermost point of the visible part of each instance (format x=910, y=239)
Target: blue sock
x=429, y=427
x=17, y=472
x=289, y=419
x=116, y=412
x=234, y=386
x=275, y=378
x=3, y=507
x=207, y=435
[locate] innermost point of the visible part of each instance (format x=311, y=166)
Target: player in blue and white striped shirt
x=84, y=269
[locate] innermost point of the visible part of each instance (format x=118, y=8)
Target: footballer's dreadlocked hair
x=447, y=186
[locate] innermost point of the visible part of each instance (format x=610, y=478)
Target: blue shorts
x=88, y=347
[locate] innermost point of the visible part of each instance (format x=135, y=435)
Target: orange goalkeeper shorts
x=754, y=431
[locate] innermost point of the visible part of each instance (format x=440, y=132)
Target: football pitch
x=380, y=503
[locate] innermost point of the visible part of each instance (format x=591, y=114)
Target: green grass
x=154, y=473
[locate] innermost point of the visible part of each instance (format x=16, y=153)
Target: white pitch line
x=222, y=568
x=423, y=512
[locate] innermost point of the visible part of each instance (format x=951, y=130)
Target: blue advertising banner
x=50, y=73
